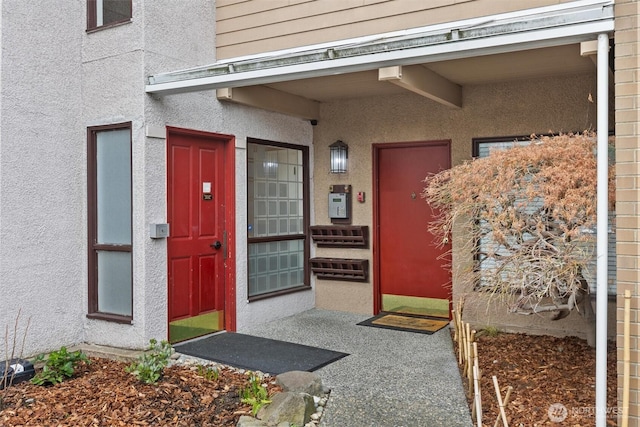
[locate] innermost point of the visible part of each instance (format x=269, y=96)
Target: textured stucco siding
x=559, y=104
x=42, y=180
x=57, y=80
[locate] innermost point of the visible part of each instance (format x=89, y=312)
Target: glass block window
x=277, y=200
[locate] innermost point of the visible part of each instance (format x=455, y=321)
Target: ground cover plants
x=102, y=393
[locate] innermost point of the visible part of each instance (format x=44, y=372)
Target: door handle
x=216, y=244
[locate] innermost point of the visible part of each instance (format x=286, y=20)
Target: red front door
x=411, y=274
x=197, y=244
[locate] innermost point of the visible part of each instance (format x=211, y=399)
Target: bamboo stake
x=477, y=395
x=475, y=365
x=469, y=358
x=454, y=317
x=470, y=353
x=500, y=404
x=626, y=358
x=504, y=403
x=465, y=347
x=473, y=386
x=460, y=339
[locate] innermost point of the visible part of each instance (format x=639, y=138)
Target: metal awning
x=566, y=23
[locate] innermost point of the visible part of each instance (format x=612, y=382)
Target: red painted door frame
x=229, y=213
x=376, y=149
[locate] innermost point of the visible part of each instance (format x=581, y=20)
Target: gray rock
x=301, y=382
x=295, y=408
x=247, y=421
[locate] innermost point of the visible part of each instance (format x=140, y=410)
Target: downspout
x=602, y=229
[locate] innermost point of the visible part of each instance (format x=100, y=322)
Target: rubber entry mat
x=259, y=354
x=406, y=322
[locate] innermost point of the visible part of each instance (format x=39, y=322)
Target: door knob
x=216, y=245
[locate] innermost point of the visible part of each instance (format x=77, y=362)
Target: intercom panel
x=338, y=207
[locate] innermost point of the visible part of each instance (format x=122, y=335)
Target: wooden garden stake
x=476, y=374
x=461, y=345
x=464, y=346
x=500, y=403
x=470, y=353
x=626, y=358
x=504, y=404
x=454, y=317
x=477, y=395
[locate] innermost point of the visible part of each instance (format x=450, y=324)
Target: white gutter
x=571, y=22
x=602, y=229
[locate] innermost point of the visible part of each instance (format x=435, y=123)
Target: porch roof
x=561, y=24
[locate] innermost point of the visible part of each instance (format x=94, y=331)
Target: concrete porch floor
x=390, y=378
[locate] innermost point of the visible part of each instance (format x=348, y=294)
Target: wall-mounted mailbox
x=338, y=207
x=340, y=204
x=158, y=231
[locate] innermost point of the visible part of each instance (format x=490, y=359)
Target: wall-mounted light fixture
x=339, y=155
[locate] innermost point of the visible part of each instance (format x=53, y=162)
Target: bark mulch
x=103, y=394
x=543, y=371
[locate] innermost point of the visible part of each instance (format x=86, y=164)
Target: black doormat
x=259, y=354
x=406, y=322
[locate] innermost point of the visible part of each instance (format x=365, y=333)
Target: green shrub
x=150, y=365
x=59, y=366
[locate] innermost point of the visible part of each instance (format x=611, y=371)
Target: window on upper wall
x=109, y=222
x=278, y=219
x=481, y=148
x=101, y=13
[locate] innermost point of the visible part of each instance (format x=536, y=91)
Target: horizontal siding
x=246, y=27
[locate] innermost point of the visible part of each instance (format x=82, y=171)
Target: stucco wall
x=169, y=46
x=57, y=79
x=559, y=104
x=42, y=238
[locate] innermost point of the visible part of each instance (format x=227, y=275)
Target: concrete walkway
x=389, y=379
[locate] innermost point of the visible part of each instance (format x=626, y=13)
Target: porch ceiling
x=526, y=64
x=435, y=62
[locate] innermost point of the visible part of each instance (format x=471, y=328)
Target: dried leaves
x=526, y=214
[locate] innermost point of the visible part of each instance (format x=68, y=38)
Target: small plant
x=208, y=372
x=491, y=331
x=255, y=394
x=59, y=366
x=150, y=365
x=6, y=380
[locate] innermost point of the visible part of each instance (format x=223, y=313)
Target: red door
x=411, y=274
x=197, y=246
